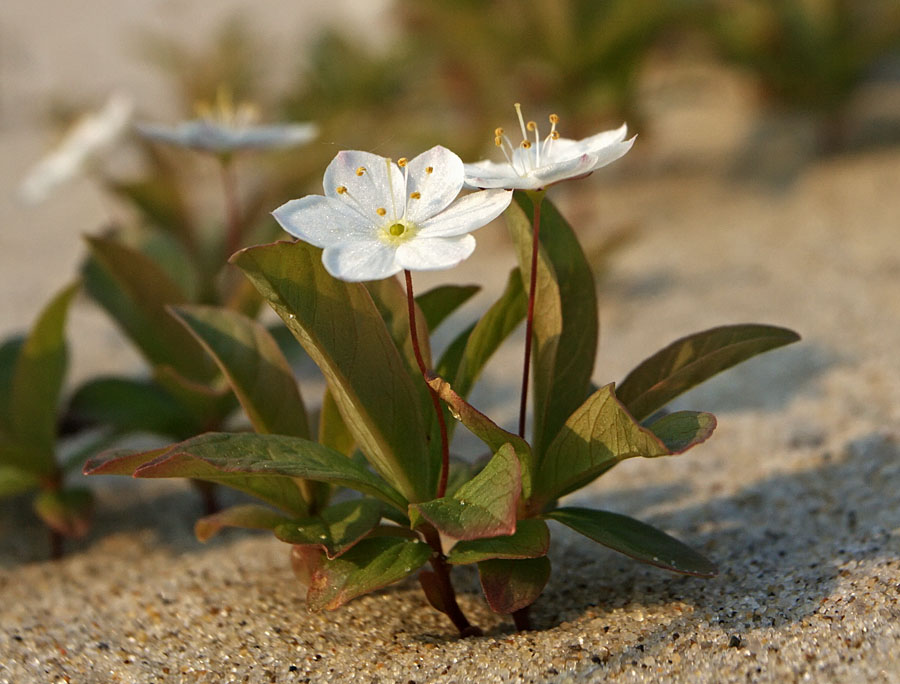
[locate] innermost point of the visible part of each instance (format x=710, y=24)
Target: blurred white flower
x=379, y=217
x=225, y=128
x=89, y=137
x=535, y=163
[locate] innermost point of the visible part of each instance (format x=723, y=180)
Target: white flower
x=379, y=217
x=85, y=141
x=534, y=164
x=224, y=128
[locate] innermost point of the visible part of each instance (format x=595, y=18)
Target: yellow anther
x=402, y=162
x=381, y=211
x=525, y=144
x=341, y=189
x=531, y=126
x=498, y=131
x=498, y=141
x=416, y=195
x=361, y=170
x=555, y=135
x=397, y=229
x=429, y=169
x=554, y=119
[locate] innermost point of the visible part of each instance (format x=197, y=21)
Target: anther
x=531, y=125
x=402, y=162
x=361, y=170
x=498, y=141
x=341, y=189
x=415, y=195
x=554, y=119
x=525, y=144
x=498, y=131
x=429, y=169
x=381, y=211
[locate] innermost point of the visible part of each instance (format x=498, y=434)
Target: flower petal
x=490, y=174
x=372, y=183
x=434, y=253
x=436, y=188
x=467, y=214
x=571, y=168
x=361, y=260
x=279, y=135
x=322, y=221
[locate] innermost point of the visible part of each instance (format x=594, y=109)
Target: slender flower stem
x=536, y=199
x=448, y=595
x=414, y=336
x=232, y=207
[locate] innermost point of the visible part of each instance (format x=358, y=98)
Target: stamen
x=341, y=189
x=402, y=162
x=381, y=211
x=361, y=170
x=521, y=120
x=390, y=178
x=525, y=144
x=552, y=135
x=532, y=126
x=416, y=195
x=429, y=169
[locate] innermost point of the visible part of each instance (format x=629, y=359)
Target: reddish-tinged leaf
x=693, y=359
x=373, y=563
x=638, y=540
x=531, y=540
x=510, y=585
x=248, y=516
x=485, y=506
x=68, y=511
x=121, y=461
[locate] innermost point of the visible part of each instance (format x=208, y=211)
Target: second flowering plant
x=391, y=406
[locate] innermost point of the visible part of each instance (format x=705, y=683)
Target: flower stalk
x=537, y=198
x=234, y=234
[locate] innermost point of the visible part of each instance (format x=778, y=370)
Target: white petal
x=609, y=154
x=467, y=214
x=361, y=260
x=571, y=168
x=380, y=186
x=604, y=139
x=437, y=188
x=434, y=253
x=490, y=174
x=285, y=135
x=322, y=221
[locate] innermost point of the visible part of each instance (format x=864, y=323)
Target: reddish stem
x=529, y=323
x=436, y=402
x=448, y=594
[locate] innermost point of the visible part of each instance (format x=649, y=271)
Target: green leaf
x=373, y=563
x=389, y=297
x=135, y=291
x=439, y=302
x=635, y=539
x=485, y=506
x=36, y=382
x=565, y=316
x=333, y=432
x=690, y=360
x=530, y=540
x=68, y=511
x=254, y=366
x=336, y=529
x=681, y=430
x=129, y=405
x=121, y=461
x=487, y=431
x=253, y=463
x=341, y=329
x=159, y=202
x=9, y=354
x=248, y=516
x=510, y=585
x=596, y=437
x=15, y=480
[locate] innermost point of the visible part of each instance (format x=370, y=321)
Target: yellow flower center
x=397, y=232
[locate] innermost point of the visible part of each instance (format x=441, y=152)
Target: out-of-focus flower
x=535, y=163
x=379, y=217
x=225, y=128
x=87, y=139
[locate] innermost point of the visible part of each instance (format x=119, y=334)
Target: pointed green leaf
x=36, y=382
x=341, y=329
x=439, y=302
x=121, y=461
x=247, y=516
x=690, y=360
x=635, y=539
x=510, y=585
x=681, y=430
x=530, y=540
x=15, y=480
x=485, y=506
x=9, y=354
x=128, y=405
x=487, y=431
x=68, y=511
x=253, y=463
x=565, y=316
x=135, y=291
x=254, y=366
x=373, y=563
x=596, y=437
x=336, y=529
x=333, y=432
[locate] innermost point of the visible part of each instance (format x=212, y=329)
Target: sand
x=796, y=496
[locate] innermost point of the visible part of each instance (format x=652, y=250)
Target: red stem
x=414, y=336
x=529, y=323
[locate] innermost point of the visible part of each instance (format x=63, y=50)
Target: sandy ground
x=796, y=497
